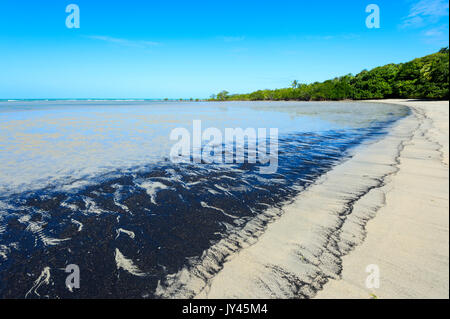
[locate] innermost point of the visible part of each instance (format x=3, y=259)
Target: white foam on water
x=152, y=188
x=79, y=224
x=124, y=207
x=126, y=232
x=127, y=264
x=72, y=207
x=37, y=228
x=223, y=189
x=212, y=191
x=48, y=241
x=91, y=207
x=218, y=209
x=118, y=197
x=4, y=251
x=44, y=278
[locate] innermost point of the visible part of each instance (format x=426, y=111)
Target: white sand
x=321, y=243
x=409, y=238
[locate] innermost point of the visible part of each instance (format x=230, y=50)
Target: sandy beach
x=387, y=206
x=409, y=238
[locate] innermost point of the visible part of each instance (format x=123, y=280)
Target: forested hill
x=422, y=78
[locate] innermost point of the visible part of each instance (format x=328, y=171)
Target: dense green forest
x=422, y=78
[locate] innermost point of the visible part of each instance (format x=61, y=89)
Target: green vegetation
x=422, y=78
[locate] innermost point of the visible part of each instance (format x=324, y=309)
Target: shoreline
x=324, y=240
x=319, y=243
x=122, y=201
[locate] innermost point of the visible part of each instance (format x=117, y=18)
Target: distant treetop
x=424, y=78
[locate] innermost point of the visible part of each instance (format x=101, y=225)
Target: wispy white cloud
x=425, y=12
x=124, y=42
x=344, y=36
x=435, y=32
x=437, y=35
x=232, y=38
x=320, y=37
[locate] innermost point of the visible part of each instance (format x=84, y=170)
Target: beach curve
x=323, y=243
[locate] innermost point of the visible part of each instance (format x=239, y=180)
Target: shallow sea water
x=90, y=183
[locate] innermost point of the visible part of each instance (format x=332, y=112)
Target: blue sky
x=183, y=49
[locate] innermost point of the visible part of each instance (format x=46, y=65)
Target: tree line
x=421, y=78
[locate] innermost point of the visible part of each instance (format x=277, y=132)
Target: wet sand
x=387, y=206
